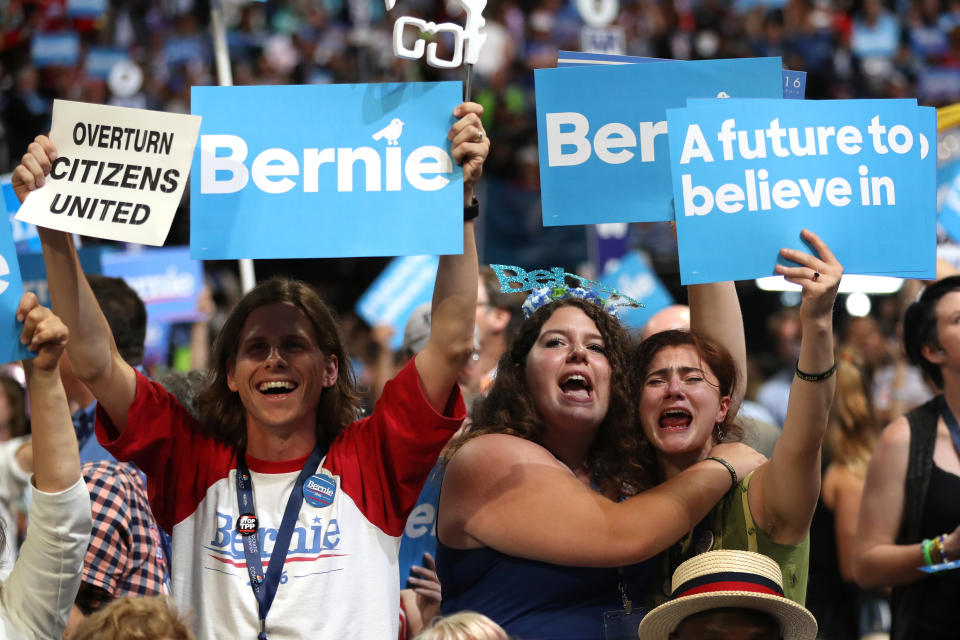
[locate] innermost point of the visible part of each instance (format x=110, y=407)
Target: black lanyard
x=265, y=586
x=951, y=421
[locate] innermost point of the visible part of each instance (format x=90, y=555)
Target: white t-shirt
x=340, y=574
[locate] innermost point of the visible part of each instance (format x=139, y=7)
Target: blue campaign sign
x=634, y=277
x=603, y=132
x=608, y=243
x=182, y=50
x=11, y=290
x=25, y=236
x=744, y=6
x=420, y=532
x=167, y=280
x=401, y=287
x=365, y=171
x=748, y=175
x=35, y=272
x=156, y=344
x=948, y=199
x=794, y=82
x=101, y=59
x=55, y=49
x=9, y=196
x=86, y=8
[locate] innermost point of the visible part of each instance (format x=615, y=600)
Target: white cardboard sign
x=119, y=172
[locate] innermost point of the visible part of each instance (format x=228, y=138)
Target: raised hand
x=43, y=332
x=819, y=276
x=30, y=174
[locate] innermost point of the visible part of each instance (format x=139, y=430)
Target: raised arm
x=715, y=314
x=93, y=354
x=56, y=456
x=784, y=492
x=43, y=584
x=455, y=291
x=513, y=495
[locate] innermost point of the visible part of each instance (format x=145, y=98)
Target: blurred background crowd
x=848, y=48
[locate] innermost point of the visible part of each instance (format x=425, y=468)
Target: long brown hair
x=221, y=413
x=619, y=454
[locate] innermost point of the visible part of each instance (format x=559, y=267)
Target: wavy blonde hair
x=852, y=428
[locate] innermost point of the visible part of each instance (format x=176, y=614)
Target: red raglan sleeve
x=383, y=460
x=166, y=443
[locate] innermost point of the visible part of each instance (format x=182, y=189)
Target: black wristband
x=471, y=211
x=733, y=472
x=817, y=377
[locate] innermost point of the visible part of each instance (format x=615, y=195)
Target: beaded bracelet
x=733, y=472
x=939, y=542
x=817, y=377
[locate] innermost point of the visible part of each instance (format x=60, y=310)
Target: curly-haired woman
x=531, y=530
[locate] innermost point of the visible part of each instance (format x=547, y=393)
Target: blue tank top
x=534, y=600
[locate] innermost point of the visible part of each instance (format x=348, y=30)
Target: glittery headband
x=546, y=286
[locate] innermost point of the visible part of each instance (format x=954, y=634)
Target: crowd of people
x=849, y=48
x=603, y=486
x=550, y=474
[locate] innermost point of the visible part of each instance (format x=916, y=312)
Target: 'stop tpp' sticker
x=467, y=40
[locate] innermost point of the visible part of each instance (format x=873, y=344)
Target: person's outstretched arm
x=455, y=292
x=512, y=495
x=784, y=492
x=715, y=314
x=93, y=354
x=43, y=584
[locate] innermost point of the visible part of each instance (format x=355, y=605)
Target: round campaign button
x=319, y=490
x=705, y=542
x=247, y=524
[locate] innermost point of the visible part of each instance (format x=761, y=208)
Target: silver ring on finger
x=479, y=136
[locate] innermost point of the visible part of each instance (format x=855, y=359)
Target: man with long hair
x=278, y=468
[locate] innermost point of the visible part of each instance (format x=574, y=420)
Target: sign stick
x=248, y=277
x=467, y=84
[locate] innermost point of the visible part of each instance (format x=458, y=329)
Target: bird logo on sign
x=391, y=132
